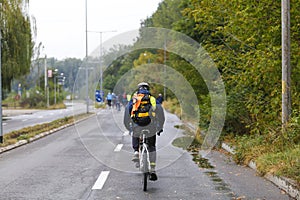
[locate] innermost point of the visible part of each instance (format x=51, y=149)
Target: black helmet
x=143, y=85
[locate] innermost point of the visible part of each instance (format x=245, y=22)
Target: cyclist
x=155, y=125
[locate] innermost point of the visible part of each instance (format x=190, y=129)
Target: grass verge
x=29, y=132
x=274, y=152
x=277, y=156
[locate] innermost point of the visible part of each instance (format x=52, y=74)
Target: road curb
x=285, y=184
x=39, y=136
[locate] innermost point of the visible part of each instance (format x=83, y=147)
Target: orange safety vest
x=137, y=101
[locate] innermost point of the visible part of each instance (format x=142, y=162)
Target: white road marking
x=118, y=147
x=126, y=133
x=101, y=180
x=24, y=120
x=4, y=124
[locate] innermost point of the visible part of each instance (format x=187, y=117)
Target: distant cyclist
x=160, y=99
x=109, y=99
x=143, y=112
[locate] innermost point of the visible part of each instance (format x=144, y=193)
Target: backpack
x=140, y=109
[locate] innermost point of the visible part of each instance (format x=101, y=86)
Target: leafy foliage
x=34, y=100
x=244, y=40
x=17, y=44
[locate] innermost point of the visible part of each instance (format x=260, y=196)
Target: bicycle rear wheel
x=145, y=171
x=145, y=180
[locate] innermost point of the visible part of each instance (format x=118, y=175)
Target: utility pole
x=165, y=62
x=86, y=57
x=54, y=78
x=46, y=81
x=286, y=64
x=1, y=128
x=101, y=70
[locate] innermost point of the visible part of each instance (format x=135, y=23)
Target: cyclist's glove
x=159, y=132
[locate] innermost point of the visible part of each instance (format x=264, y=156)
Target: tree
x=17, y=42
x=244, y=39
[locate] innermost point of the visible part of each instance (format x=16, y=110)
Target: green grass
x=272, y=153
x=100, y=105
x=284, y=163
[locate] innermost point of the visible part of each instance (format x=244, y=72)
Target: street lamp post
x=1, y=130
x=86, y=57
x=100, y=58
x=165, y=60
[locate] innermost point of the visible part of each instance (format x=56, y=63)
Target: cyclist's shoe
x=135, y=157
x=152, y=176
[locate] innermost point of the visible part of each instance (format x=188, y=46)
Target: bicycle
x=144, y=158
x=143, y=162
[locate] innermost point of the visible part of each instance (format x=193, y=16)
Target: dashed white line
x=4, y=124
x=24, y=120
x=118, y=147
x=126, y=133
x=101, y=180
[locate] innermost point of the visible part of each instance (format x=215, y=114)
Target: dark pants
x=151, y=140
x=109, y=102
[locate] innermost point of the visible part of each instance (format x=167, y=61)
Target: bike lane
x=179, y=177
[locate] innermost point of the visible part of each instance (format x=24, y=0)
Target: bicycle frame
x=144, y=152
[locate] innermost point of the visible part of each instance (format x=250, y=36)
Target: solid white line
x=118, y=147
x=101, y=180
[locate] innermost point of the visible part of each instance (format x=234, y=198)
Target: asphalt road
x=92, y=160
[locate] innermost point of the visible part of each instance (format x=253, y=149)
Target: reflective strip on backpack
x=143, y=114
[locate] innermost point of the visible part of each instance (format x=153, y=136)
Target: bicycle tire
x=145, y=171
x=145, y=181
x=145, y=163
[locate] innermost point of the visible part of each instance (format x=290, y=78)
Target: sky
x=61, y=24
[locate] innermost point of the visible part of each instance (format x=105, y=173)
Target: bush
x=36, y=99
